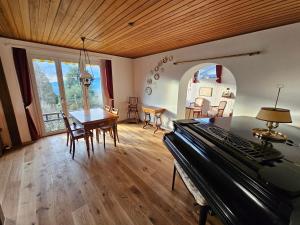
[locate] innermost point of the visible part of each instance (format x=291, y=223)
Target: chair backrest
x=62, y=113
x=222, y=105
x=107, y=108
x=133, y=101
x=199, y=101
x=111, y=102
x=221, y=108
x=115, y=111
x=67, y=124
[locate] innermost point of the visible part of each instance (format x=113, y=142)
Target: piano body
x=245, y=180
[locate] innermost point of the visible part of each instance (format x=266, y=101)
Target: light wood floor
x=130, y=184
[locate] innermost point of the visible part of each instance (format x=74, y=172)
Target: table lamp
x=273, y=116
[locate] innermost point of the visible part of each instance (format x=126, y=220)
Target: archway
x=194, y=84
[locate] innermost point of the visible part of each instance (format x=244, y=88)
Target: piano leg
x=203, y=214
x=174, y=176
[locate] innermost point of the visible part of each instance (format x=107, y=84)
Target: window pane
x=73, y=90
x=49, y=96
x=95, y=90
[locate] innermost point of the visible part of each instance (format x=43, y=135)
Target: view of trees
x=73, y=88
x=50, y=102
x=48, y=90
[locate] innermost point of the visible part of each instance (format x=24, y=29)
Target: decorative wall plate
x=165, y=59
x=156, y=68
x=156, y=76
x=148, y=90
x=171, y=58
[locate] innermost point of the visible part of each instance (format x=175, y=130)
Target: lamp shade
x=274, y=115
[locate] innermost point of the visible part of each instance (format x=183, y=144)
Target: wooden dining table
x=95, y=118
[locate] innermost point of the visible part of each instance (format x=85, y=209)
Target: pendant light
x=85, y=77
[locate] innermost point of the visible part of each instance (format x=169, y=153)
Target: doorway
x=57, y=88
x=207, y=90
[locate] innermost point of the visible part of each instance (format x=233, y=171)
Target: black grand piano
x=245, y=180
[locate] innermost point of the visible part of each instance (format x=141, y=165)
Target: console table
x=156, y=112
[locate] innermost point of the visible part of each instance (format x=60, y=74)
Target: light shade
x=274, y=115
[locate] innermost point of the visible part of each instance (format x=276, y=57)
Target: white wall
x=122, y=69
x=256, y=76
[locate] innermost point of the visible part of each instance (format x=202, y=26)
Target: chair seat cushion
x=197, y=109
x=106, y=128
x=190, y=185
x=76, y=127
x=212, y=113
x=81, y=132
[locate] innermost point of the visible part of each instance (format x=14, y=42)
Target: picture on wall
x=205, y=91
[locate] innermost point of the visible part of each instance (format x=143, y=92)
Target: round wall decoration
x=148, y=90
x=156, y=68
x=165, y=59
x=171, y=58
x=156, y=76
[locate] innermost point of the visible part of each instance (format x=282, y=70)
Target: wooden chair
x=76, y=135
x=109, y=128
x=111, y=102
x=133, y=109
x=217, y=110
x=107, y=108
x=200, y=200
x=196, y=107
x=74, y=126
x=115, y=112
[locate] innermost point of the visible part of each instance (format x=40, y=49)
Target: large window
x=49, y=94
x=73, y=90
x=59, y=89
x=95, y=90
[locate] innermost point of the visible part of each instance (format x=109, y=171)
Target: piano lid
x=280, y=162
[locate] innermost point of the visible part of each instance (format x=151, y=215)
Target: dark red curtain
x=109, y=80
x=219, y=73
x=22, y=70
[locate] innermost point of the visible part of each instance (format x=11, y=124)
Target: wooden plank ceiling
x=158, y=25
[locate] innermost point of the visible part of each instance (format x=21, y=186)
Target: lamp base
x=269, y=135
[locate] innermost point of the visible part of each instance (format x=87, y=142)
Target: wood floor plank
x=82, y=216
x=128, y=184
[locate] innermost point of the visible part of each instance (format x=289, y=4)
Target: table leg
x=189, y=113
x=114, y=133
x=97, y=134
x=87, y=143
x=147, y=121
x=157, y=124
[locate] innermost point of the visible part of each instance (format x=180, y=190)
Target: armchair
x=196, y=107
x=217, y=110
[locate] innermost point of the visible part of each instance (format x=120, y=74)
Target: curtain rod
x=220, y=57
